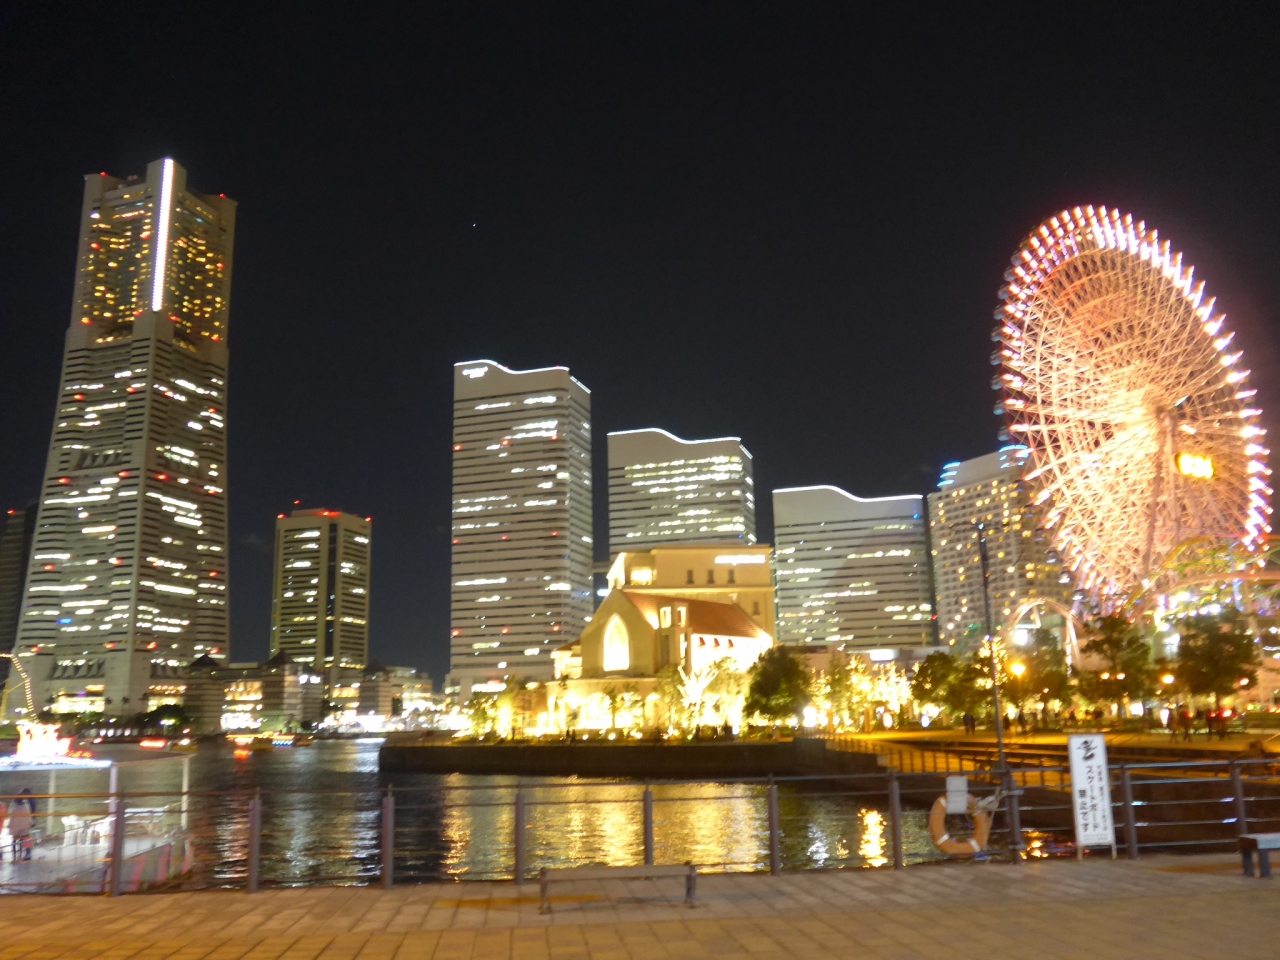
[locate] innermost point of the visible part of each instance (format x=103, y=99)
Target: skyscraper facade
x=320, y=601
x=128, y=579
x=987, y=498
x=522, y=544
x=17, y=530
x=852, y=571
x=664, y=490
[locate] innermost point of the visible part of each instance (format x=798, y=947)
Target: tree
x=842, y=687
x=779, y=686
x=481, y=708
x=932, y=677
x=1126, y=658
x=630, y=699
x=694, y=684
x=1216, y=656
x=1045, y=676
x=957, y=685
x=611, y=696
x=670, y=684
x=727, y=689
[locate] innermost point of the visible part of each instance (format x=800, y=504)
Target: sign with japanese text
x=1091, y=791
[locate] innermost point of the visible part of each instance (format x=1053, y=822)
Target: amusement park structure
x=1146, y=461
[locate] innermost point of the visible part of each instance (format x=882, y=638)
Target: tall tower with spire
x=128, y=575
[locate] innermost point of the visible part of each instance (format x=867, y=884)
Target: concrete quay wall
x=637, y=760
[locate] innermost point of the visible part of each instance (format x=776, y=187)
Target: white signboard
x=1091, y=791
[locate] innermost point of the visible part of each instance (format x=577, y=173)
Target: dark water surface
x=322, y=820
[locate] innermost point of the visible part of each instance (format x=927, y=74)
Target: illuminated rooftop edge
x=504, y=369
x=672, y=436
x=846, y=493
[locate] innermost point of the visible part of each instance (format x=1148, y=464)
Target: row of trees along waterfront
x=1216, y=657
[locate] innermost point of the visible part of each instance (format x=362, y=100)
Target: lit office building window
x=851, y=571
x=988, y=491
x=128, y=578
x=522, y=549
x=664, y=490
x=320, y=606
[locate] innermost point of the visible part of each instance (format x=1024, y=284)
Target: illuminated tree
x=842, y=689
x=1119, y=377
x=957, y=685
x=1216, y=656
x=1044, y=676
x=1127, y=672
x=779, y=686
x=727, y=689
x=670, y=695
x=482, y=711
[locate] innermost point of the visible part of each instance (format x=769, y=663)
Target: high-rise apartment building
x=522, y=549
x=128, y=579
x=320, y=601
x=852, y=571
x=17, y=531
x=664, y=490
x=987, y=499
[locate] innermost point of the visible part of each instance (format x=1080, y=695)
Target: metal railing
x=506, y=828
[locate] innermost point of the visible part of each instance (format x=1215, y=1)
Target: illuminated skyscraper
x=17, y=528
x=320, y=602
x=664, y=490
x=852, y=571
x=522, y=547
x=988, y=490
x=128, y=577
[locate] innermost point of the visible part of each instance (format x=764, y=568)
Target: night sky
x=782, y=222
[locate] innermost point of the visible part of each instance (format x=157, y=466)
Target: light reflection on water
x=460, y=826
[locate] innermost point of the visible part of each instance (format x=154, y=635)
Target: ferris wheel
x=1120, y=379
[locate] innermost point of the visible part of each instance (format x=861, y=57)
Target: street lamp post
x=1006, y=775
x=991, y=640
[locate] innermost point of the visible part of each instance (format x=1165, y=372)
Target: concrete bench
x=1262, y=844
x=688, y=871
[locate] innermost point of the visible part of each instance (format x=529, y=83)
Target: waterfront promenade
x=1163, y=908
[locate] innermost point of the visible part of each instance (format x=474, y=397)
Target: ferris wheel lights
x=1195, y=466
x=1090, y=487
x=1246, y=394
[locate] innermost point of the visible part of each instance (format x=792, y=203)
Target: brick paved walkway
x=1162, y=908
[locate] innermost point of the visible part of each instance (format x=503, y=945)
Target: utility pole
x=1006, y=775
x=984, y=559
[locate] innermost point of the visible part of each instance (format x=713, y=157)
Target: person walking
x=4, y=815
x=22, y=817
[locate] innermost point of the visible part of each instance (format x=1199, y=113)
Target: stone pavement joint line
x=1163, y=908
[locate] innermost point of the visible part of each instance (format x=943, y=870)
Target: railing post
x=775, y=845
x=117, y=842
x=1015, y=815
x=388, y=840
x=255, y=841
x=1130, y=818
x=648, y=826
x=895, y=818
x=1242, y=812
x=518, y=837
